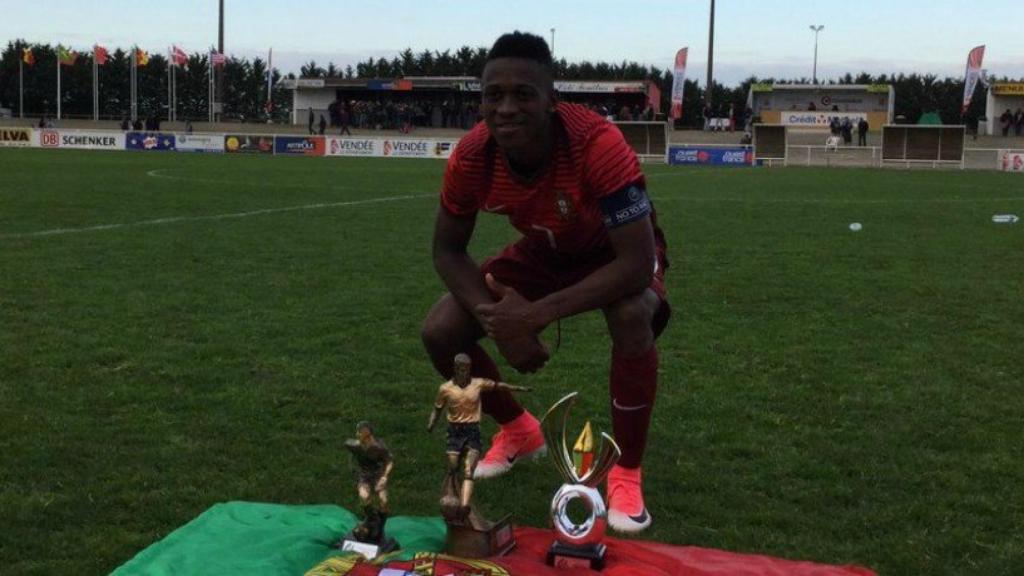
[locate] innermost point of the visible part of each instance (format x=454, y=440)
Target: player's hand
x=524, y=354
x=510, y=318
x=382, y=484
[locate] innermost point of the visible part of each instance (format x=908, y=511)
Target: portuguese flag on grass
x=246, y=539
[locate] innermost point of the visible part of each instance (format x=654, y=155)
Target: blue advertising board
x=304, y=145
x=710, y=156
x=149, y=141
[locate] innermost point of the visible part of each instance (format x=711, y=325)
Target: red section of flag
x=100, y=54
x=141, y=57
x=179, y=56
x=972, y=76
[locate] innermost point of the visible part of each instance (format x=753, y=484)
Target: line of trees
x=244, y=84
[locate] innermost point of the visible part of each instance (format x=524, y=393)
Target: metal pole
x=134, y=89
x=219, y=73
x=95, y=88
x=58, y=83
x=552, y=43
x=711, y=55
x=21, y=84
x=816, y=29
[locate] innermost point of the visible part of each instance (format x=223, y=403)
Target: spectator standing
x=1007, y=121
x=323, y=125
x=311, y=120
x=1018, y=122
x=862, y=132
x=343, y=119
x=732, y=117
x=125, y=124
x=846, y=128
x=707, y=117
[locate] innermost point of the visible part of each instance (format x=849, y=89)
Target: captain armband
x=625, y=206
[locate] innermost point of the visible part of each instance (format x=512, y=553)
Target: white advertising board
x=81, y=139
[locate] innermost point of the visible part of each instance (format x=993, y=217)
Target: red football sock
x=633, y=384
x=498, y=404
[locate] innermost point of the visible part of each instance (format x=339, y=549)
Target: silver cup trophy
x=577, y=543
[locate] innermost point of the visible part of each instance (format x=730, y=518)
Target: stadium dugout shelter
x=1002, y=96
x=812, y=106
x=319, y=94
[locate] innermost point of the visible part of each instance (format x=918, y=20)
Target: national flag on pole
x=179, y=56
x=217, y=58
x=679, y=83
x=27, y=56
x=100, y=54
x=972, y=75
x=67, y=57
x=141, y=57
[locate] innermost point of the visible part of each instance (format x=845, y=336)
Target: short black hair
x=522, y=45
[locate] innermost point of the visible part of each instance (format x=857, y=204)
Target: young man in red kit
x=567, y=180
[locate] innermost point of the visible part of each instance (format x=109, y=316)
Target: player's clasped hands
x=508, y=322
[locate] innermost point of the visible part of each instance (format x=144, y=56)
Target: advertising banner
x=248, y=144
x=972, y=75
x=301, y=145
x=678, y=83
x=1008, y=89
x=16, y=137
x=1011, y=161
x=709, y=156
x=818, y=119
x=199, y=142
x=82, y=139
x=353, y=147
x=149, y=141
x=416, y=148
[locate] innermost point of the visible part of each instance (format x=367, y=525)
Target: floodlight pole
x=219, y=71
x=816, y=29
x=552, y=43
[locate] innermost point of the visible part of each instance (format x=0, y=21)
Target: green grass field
x=180, y=330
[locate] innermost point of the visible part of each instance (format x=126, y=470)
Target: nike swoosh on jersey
x=494, y=209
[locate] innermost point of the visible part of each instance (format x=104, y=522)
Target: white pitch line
x=176, y=219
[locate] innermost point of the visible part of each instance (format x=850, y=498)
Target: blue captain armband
x=625, y=206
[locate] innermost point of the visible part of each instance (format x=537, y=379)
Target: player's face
x=364, y=435
x=461, y=373
x=517, y=103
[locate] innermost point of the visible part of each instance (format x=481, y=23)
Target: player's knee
x=629, y=322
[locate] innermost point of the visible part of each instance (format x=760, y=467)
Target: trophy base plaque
x=562, y=556
x=368, y=549
x=476, y=537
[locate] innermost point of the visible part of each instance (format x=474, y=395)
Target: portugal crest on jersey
x=564, y=206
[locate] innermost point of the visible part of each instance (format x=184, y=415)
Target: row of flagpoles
x=139, y=58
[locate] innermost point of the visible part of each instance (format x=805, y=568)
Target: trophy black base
x=368, y=549
x=479, y=538
x=563, y=556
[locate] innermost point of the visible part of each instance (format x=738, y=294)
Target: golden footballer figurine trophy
x=469, y=534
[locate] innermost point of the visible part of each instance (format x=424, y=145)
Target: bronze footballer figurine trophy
x=374, y=466
x=469, y=534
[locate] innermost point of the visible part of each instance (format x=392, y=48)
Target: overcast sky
x=765, y=38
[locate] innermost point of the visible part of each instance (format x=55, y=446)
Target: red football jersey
x=560, y=208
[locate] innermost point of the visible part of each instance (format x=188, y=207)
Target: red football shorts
x=535, y=271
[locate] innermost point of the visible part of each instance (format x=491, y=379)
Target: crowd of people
x=1012, y=122
x=733, y=119
x=404, y=116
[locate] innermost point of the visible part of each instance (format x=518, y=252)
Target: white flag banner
x=678, y=83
